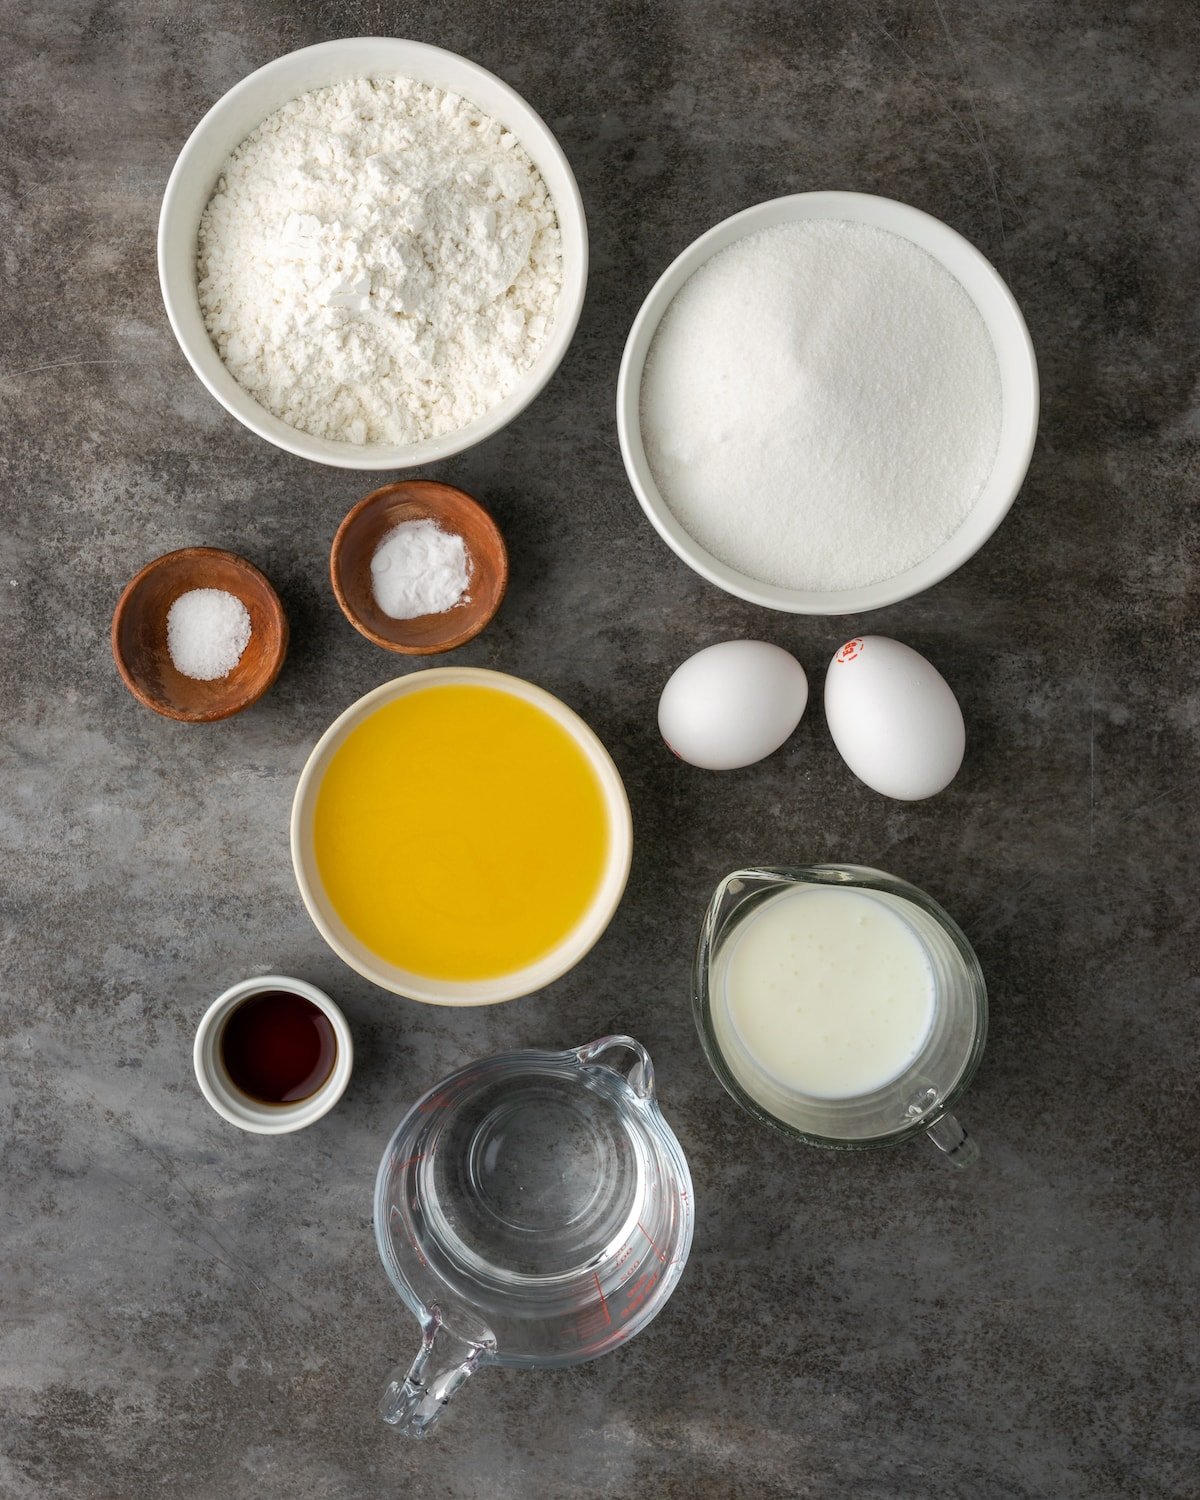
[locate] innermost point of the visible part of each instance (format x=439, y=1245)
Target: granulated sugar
x=821, y=405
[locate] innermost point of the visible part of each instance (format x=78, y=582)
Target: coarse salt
x=207, y=631
x=821, y=405
x=419, y=569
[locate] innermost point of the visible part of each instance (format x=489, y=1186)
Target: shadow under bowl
x=453, y=510
x=139, y=635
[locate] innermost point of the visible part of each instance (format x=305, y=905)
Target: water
x=540, y=1203
x=537, y=1179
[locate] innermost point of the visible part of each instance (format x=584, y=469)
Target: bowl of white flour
x=373, y=253
x=828, y=403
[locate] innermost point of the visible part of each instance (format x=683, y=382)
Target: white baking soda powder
x=821, y=405
x=419, y=569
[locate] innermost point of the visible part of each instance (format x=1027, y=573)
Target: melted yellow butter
x=460, y=832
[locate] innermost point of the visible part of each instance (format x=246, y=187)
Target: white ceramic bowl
x=1018, y=386
x=245, y=106
x=238, y=1108
x=420, y=986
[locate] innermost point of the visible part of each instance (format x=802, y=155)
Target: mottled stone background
x=192, y=1312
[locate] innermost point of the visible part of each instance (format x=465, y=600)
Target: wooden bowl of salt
x=424, y=549
x=165, y=629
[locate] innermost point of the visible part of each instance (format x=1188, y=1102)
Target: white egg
x=893, y=718
x=732, y=704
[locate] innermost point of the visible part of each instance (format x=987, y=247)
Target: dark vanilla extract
x=278, y=1048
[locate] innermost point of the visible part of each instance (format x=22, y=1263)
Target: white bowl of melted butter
x=461, y=836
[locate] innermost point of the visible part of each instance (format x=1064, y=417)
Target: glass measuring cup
x=533, y=1209
x=920, y=1097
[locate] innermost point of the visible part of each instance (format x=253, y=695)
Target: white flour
x=821, y=405
x=379, y=263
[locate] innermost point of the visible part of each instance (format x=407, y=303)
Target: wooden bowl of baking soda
x=199, y=634
x=419, y=567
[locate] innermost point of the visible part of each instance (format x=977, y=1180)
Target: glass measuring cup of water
x=534, y=1210
x=812, y=1080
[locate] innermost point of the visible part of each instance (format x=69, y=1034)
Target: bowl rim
x=836, y=204
x=239, y=403
x=574, y=947
x=480, y=623
x=237, y=705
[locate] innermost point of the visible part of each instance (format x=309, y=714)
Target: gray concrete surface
x=191, y=1312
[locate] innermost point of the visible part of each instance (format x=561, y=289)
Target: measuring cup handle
x=949, y=1136
x=416, y=1398
x=640, y=1075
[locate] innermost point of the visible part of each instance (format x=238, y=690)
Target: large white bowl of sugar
x=239, y=112
x=837, y=413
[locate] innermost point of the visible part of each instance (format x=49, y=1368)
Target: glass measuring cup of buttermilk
x=533, y=1210
x=841, y=1006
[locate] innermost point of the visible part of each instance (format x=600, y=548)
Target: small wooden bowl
x=139, y=635
x=366, y=526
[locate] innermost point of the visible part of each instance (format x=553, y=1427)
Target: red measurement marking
x=435, y=1101
x=411, y=1162
x=588, y=1325
x=653, y=1244
x=603, y=1299
x=640, y=1291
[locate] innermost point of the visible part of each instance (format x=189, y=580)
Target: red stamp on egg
x=850, y=650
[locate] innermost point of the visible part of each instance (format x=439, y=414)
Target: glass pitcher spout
x=416, y=1398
